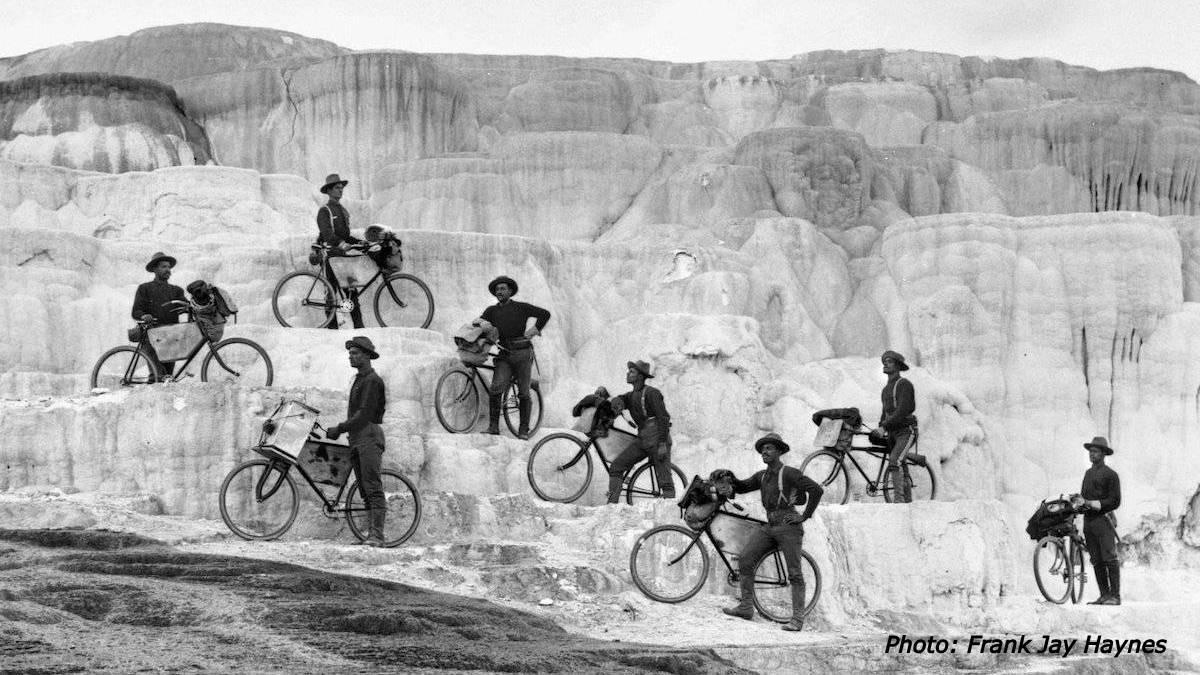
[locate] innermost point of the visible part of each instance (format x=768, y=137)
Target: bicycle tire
x=772, y=587
x=1049, y=559
x=251, y=368
x=404, y=508
x=417, y=309
x=829, y=471
x=512, y=409
x=643, y=484
x=139, y=358
x=456, y=401
x=559, y=468
x=921, y=476
x=1078, y=571
x=257, y=519
x=308, y=304
x=650, y=560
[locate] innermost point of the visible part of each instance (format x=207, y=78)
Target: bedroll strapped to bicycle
x=850, y=420
x=1052, y=516
x=473, y=341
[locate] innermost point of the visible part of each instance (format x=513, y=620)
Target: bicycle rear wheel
x=512, y=409
x=644, y=483
x=403, y=300
x=826, y=468
x=669, y=563
x=237, y=360
x=1078, y=570
x=403, y=509
x=258, y=499
x=124, y=366
x=456, y=401
x=559, y=468
x=1052, y=569
x=772, y=586
x=303, y=300
x=922, y=486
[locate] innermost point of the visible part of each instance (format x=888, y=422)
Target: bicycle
x=237, y=359
x=1058, y=565
x=827, y=466
x=560, y=466
x=670, y=563
x=258, y=498
x=307, y=299
x=458, y=399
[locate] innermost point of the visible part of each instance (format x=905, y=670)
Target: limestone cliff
x=98, y=123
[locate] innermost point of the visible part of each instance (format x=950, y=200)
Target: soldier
x=510, y=318
x=333, y=225
x=782, y=488
x=897, y=424
x=368, y=400
x=153, y=301
x=1100, y=496
x=645, y=404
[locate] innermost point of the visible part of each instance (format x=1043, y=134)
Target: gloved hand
x=333, y=432
x=878, y=436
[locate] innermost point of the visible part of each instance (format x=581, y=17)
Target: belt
x=517, y=343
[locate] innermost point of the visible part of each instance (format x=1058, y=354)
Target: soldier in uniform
x=1100, y=496
x=368, y=400
x=645, y=404
x=154, y=300
x=782, y=488
x=897, y=425
x=511, y=318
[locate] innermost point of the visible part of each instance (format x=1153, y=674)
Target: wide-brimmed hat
x=1099, y=443
x=895, y=356
x=333, y=180
x=640, y=366
x=364, y=343
x=774, y=439
x=502, y=280
x=159, y=257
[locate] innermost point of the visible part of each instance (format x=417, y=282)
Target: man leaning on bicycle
x=782, y=488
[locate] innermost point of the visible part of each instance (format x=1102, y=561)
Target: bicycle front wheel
x=1078, y=571
x=512, y=409
x=826, y=468
x=124, y=366
x=404, y=301
x=559, y=468
x=403, y=509
x=772, y=585
x=258, y=499
x=1052, y=569
x=456, y=401
x=921, y=483
x=669, y=563
x=237, y=360
x=303, y=300
x=644, y=483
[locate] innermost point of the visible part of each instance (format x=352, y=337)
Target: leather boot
x=904, y=486
x=524, y=407
x=493, y=415
x=666, y=486
x=1101, y=583
x=797, y=622
x=377, y=518
x=615, y=484
x=1114, y=584
x=370, y=520
x=745, y=607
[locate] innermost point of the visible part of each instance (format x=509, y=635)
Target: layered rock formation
x=1024, y=231
x=98, y=123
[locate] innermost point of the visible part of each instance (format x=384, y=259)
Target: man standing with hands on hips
x=368, y=400
x=510, y=318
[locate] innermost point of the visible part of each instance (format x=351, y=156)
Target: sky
x=1102, y=34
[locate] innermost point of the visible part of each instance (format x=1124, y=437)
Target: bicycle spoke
x=668, y=564
x=258, y=500
x=559, y=468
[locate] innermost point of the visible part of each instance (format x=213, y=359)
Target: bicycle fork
x=259, y=495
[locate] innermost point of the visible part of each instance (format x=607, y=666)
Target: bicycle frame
x=872, y=485
x=281, y=467
x=734, y=575
x=144, y=347
x=342, y=288
x=591, y=443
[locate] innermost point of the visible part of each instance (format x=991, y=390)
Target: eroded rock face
x=97, y=123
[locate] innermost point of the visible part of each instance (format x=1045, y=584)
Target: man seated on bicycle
x=782, y=489
x=333, y=225
x=649, y=412
x=154, y=302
